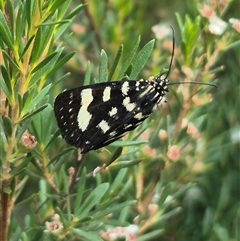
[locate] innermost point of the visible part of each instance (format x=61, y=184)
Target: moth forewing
x=93, y=116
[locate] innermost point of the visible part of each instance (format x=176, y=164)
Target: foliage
x=173, y=178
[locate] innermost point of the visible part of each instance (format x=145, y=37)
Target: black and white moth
x=93, y=116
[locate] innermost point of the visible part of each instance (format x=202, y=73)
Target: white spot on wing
x=104, y=126
x=137, y=85
x=113, y=111
x=146, y=91
x=125, y=88
x=106, y=94
x=138, y=116
x=128, y=105
x=128, y=126
x=84, y=116
x=113, y=133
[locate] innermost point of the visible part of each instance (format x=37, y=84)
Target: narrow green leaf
x=103, y=65
x=33, y=174
x=36, y=125
x=125, y=164
x=42, y=191
x=115, y=62
x=44, y=70
x=116, y=223
x=60, y=63
x=61, y=30
x=63, y=158
x=54, y=23
x=11, y=18
x=221, y=233
x=180, y=25
x=61, y=79
x=63, y=9
x=141, y=59
x=27, y=46
x=164, y=194
x=19, y=170
x=3, y=139
x=87, y=77
x=151, y=235
x=182, y=191
x=54, y=5
x=88, y=236
x=44, y=62
x=93, y=199
x=36, y=100
x=36, y=50
x=81, y=221
x=235, y=44
x=115, y=155
x=52, y=139
x=5, y=83
x=60, y=154
x=118, y=180
x=26, y=99
x=5, y=54
x=47, y=119
x=114, y=208
x=94, y=81
x=107, y=204
x=128, y=143
x=27, y=116
x=167, y=216
x=6, y=35
x=64, y=180
x=75, y=11
x=30, y=8
x=22, y=129
x=42, y=39
x=26, y=200
x=62, y=217
x=21, y=21
x=124, y=214
x=80, y=191
x=129, y=59
x=7, y=123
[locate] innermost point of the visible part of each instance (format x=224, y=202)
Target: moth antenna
x=172, y=55
x=170, y=66
x=173, y=49
x=193, y=83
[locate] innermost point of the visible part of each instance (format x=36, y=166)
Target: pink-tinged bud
x=28, y=141
x=193, y=131
x=162, y=135
x=173, y=153
x=235, y=24
x=55, y=225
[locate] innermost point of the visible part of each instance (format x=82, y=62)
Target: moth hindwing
x=93, y=116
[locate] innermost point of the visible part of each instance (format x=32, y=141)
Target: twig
x=77, y=169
